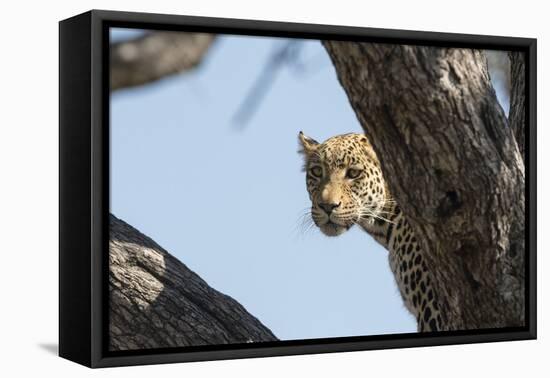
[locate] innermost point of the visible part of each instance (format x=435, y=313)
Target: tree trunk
x=155, y=56
x=156, y=301
x=453, y=165
x=517, y=99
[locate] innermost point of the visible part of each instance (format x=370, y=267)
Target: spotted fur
x=346, y=187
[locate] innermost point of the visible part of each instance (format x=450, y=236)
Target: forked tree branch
x=446, y=150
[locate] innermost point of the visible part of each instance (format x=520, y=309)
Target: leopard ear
x=309, y=145
x=368, y=147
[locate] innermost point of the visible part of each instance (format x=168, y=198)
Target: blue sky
x=227, y=200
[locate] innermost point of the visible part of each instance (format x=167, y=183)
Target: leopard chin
x=333, y=229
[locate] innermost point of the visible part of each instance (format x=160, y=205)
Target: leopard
x=346, y=187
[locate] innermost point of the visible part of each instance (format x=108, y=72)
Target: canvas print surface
x=269, y=189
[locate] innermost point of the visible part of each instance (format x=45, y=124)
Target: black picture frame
x=84, y=187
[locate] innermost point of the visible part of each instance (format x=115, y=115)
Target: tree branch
x=154, y=56
x=156, y=301
x=517, y=98
x=453, y=166
x=285, y=54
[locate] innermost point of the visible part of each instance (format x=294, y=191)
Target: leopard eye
x=353, y=173
x=316, y=171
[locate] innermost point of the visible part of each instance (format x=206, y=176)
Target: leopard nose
x=329, y=207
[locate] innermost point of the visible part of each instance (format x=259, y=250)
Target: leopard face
x=344, y=182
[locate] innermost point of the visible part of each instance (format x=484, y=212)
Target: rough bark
x=453, y=165
x=517, y=98
x=156, y=301
x=155, y=56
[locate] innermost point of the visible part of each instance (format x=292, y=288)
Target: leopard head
x=344, y=182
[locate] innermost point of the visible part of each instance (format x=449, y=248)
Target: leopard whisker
x=305, y=222
x=369, y=212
